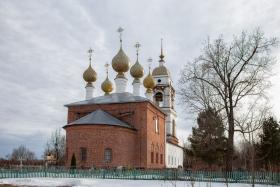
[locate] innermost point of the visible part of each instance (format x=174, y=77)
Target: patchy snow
x=76, y=182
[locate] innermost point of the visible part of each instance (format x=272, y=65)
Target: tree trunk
x=253, y=161
x=230, y=142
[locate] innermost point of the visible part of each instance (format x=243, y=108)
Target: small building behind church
x=122, y=129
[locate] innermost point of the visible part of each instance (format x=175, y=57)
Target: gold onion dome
x=149, y=82
x=107, y=86
x=90, y=75
x=120, y=62
x=137, y=71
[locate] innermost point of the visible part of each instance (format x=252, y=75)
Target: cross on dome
x=90, y=51
x=120, y=30
x=107, y=67
x=161, y=56
x=150, y=60
x=137, y=46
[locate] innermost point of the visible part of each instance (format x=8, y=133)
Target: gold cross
x=137, y=46
x=120, y=30
x=150, y=60
x=90, y=51
x=107, y=67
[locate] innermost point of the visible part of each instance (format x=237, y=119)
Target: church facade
x=122, y=128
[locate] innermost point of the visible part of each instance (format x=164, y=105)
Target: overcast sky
x=43, y=52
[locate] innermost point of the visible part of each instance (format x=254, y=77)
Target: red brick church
x=121, y=128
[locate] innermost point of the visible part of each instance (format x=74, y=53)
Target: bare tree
x=225, y=75
x=22, y=153
x=249, y=126
x=243, y=153
x=56, y=146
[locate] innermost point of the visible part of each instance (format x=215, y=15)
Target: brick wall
x=96, y=138
x=132, y=149
x=156, y=138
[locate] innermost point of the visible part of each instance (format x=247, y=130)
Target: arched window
x=152, y=153
x=156, y=157
x=156, y=126
x=157, y=148
x=108, y=155
x=158, y=97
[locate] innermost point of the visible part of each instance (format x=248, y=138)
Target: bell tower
x=164, y=95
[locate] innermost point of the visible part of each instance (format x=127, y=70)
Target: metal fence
x=271, y=178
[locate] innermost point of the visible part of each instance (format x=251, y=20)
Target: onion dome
x=107, y=86
x=149, y=82
x=137, y=71
x=89, y=74
x=120, y=62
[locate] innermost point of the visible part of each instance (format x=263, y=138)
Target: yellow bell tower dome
x=161, y=70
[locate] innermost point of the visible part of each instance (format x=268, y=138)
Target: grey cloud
x=43, y=48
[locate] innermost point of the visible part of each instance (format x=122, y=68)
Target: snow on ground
x=51, y=182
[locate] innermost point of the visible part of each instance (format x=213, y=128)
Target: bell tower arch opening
x=158, y=98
